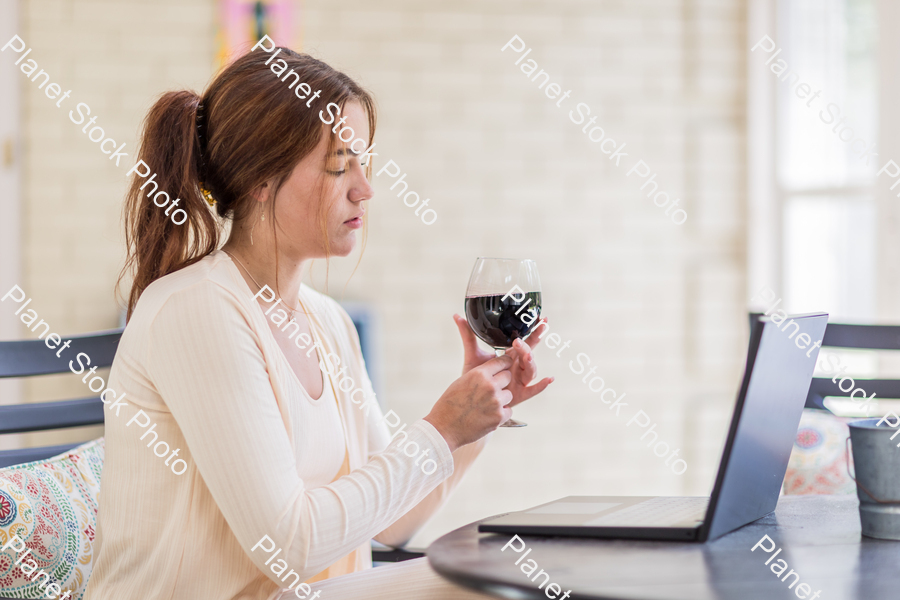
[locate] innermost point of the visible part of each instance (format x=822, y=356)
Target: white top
x=199, y=358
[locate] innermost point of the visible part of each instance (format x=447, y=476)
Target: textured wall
x=659, y=307
x=116, y=57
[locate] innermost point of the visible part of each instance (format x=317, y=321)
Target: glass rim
x=507, y=259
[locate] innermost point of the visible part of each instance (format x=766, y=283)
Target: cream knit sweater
x=199, y=358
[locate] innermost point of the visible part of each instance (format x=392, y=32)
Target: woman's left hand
x=523, y=370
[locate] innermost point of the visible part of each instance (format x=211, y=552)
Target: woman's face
x=335, y=183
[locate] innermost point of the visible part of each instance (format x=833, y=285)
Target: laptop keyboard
x=657, y=511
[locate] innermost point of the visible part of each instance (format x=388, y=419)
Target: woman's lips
x=354, y=223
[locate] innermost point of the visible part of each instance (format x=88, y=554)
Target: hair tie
x=207, y=195
x=200, y=119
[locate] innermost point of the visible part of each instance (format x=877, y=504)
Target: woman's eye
x=344, y=166
x=339, y=167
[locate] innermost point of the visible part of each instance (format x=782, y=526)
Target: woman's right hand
x=475, y=404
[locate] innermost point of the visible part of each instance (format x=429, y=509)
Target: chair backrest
x=32, y=358
x=863, y=337
x=366, y=327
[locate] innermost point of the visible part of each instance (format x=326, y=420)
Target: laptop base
x=675, y=534
x=624, y=517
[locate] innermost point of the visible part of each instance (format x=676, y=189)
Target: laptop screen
x=780, y=364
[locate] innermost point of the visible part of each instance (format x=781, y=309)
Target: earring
x=262, y=219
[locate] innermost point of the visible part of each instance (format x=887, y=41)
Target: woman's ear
x=264, y=191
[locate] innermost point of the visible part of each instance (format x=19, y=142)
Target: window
x=823, y=184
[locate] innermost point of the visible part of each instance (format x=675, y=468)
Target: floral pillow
x=818, y=463
x=48, y=513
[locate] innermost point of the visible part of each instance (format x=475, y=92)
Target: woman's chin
x=345, y=246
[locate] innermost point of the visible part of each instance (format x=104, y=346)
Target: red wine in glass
x=494, y=318
x=503, y=303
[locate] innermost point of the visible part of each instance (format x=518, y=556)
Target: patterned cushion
x=52, y=506
x=818, y=463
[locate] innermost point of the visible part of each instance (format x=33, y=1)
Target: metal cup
x=876, y=460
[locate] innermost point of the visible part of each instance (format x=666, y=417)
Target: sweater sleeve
x=207, y=363
x=400, y=531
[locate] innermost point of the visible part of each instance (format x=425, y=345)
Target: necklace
x=326, y=376
x=253, y=279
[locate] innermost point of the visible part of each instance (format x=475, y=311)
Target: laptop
x=763, y=427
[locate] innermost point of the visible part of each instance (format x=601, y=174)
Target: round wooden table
x=819, y=536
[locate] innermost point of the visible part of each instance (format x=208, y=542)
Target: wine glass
x=503, y=302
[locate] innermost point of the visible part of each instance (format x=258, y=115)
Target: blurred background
x=774, y=198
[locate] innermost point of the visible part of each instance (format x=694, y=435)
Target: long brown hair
x=254, y=128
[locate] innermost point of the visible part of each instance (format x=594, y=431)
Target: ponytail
x=170, y=151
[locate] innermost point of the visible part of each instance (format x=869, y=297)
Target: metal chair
x=32, y=358
x=863, y=337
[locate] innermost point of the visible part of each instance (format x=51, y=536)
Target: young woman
x=232, y=366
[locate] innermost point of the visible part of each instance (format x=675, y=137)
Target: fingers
x=535, y=338
x=520, y=350
x=470, y=344
x=534, y=390
x=503, y=378
x=526, y=367
x=497, y=364
x=521, y=347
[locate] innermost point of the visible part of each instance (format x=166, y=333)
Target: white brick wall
x=116, y=57
x=658, y=306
